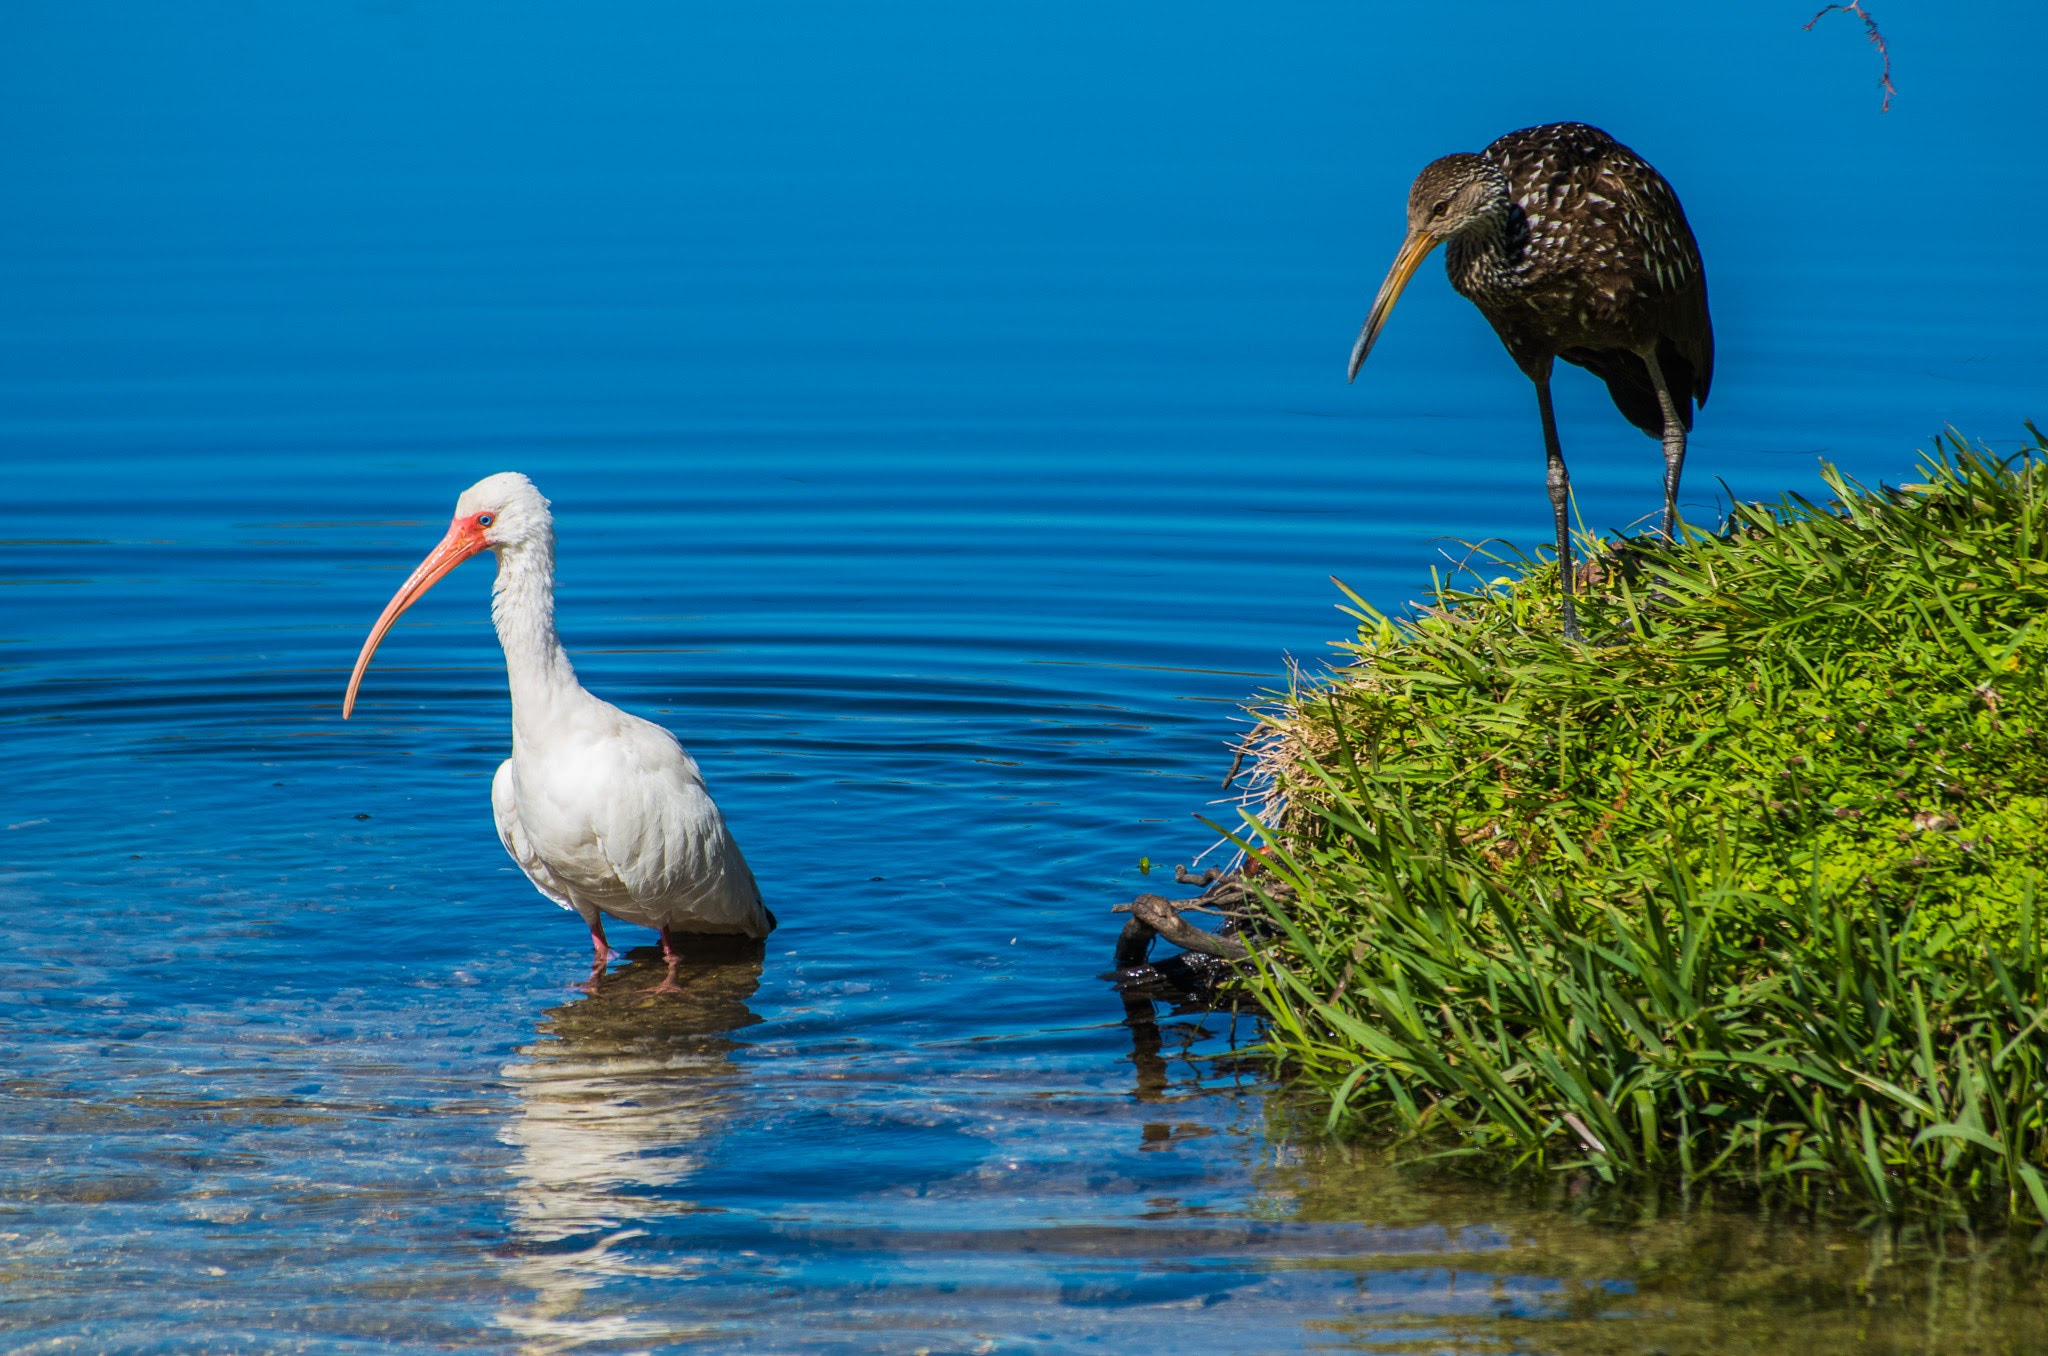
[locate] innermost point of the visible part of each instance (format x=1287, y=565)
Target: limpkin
x=1572, y=247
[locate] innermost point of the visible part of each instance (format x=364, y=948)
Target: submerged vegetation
x=1613, y=1278
x=1746, y=893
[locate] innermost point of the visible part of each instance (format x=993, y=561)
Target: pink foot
x=602, y=955
x=674, y=958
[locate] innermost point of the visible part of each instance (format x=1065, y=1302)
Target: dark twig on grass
x=1871, y=31
x=1235, y=763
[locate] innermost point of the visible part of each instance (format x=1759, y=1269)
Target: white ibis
x=603, y=811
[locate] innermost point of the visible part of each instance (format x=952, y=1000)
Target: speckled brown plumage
x=1596, y=261
x=1573, y=247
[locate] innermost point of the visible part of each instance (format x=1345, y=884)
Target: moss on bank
x=1746, y=887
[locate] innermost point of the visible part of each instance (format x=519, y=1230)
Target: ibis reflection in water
x=603, y=811
x=1572, y=247
x=619, y=1104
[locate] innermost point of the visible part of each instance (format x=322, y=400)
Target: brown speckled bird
x=1573, y=247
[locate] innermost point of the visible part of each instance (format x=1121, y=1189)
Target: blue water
x=944, y=415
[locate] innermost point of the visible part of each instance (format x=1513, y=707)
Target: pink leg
x=603, y=955
x=674, y=958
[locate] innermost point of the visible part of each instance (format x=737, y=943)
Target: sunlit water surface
x=948, y=507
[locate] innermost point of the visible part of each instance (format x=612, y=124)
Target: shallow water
x=944, y=422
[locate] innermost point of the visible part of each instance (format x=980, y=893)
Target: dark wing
x=1605, y=221
x=1672, y=282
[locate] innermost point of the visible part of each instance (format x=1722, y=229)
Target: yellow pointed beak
x=464, y=540
x=1413, y=250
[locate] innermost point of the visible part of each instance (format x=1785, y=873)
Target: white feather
x=603, y=811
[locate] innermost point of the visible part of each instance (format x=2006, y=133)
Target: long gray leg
x=1560, y=483
x=1674, y=442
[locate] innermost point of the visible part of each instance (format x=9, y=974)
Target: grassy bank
x=1748, y=891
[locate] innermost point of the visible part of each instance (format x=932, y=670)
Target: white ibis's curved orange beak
x=1413, y=251
x=464, y=540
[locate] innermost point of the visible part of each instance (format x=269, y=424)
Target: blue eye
x=483, y=520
